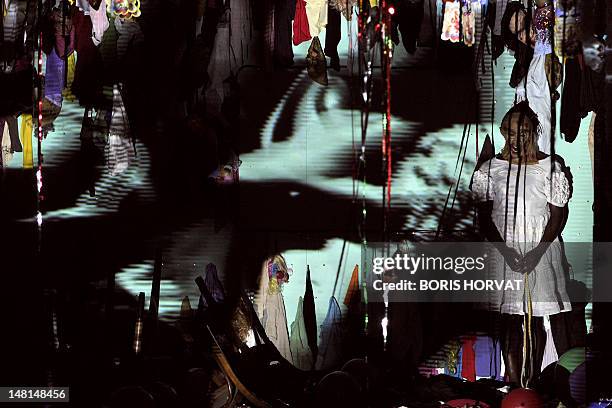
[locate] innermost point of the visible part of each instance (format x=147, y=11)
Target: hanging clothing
x=539, y=185
x=535, y=86
x=488, y=357
x=468, y=22
x=451, y=23
x=537, y=92
x=120, y=152
x=54, y=78
x=408, y=19
x=344, y=6
x=330, y=345
x=242, y=32
x=67, y=92
x=310, y=316
x=87, y=84
x=316, y=10
x=270, y=307
x=283, y=52
x=300, y=351
x=468, y=359
x=332, y=37
x=219, y=67
x=129, y=35
x=13, y=129
x=26, y=140
x=213, y=284
x=99, y=23
x=64, y=33
x=571, y=113
x=7, y=153
x=301, y=31
x=550, y=352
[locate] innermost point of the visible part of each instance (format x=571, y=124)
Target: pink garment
x=99, y=22
x=301, y=30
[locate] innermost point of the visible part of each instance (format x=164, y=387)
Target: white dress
x=537, y=90
x=537, y=187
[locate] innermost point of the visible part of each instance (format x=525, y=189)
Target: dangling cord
x=387, y=55
x=527, y=335
x=39, y=176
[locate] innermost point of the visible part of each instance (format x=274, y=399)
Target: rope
x=527, y=335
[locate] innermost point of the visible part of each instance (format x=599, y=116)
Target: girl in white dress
x=521, y=194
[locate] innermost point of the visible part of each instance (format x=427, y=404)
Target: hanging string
x=39, y=171
x=386, y=55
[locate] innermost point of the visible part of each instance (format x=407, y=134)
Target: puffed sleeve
x=556, y=187
x=482, y=186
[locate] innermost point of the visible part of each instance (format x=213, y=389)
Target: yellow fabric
x=26, y=140
x=67, y=92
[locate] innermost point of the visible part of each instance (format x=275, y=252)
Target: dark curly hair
x=524, y=111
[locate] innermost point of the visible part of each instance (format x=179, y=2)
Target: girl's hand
x=512, y=258
x=530, y=261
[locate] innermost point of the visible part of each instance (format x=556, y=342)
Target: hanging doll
x=521, y=194
x=270, y=304
x=537, y=71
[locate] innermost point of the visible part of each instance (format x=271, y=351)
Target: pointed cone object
x=330, y=346
x=310, y=316
x=352, y=293
x=213, y=283
x=300, y=351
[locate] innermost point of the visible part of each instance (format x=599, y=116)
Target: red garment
x=468, y=359
x=301, y=30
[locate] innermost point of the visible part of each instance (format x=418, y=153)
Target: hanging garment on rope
x=64, y=33
x=537, y=92
x=316, y=10
x=242, y=32
x=316, y=63
x=220, y=66
x=54, y=78
x=270, y=307
x=468, y=22
x=407, y=19
x=7, y=153
x=300, y=351
x=87, y=84
x=550, y=352
x=13, y=129
x=301, y=31
x=332, y=37
x=468, y=359
x=571, y=113
x=451, y=23
x=344, y=6
x=99, y=22
x=330, y=344
x=488, y=357
x=119, y=151
x=26, y=140
x=283, y=15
